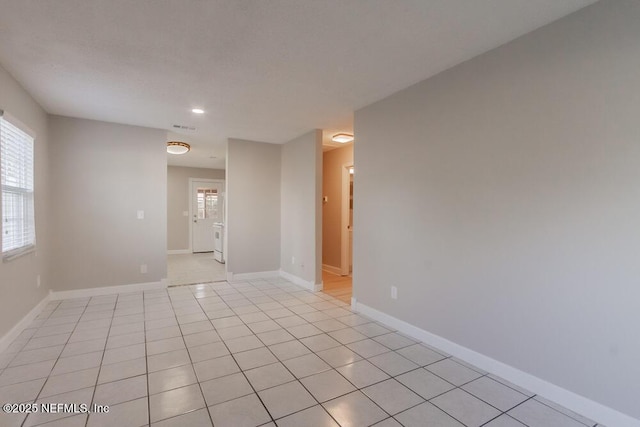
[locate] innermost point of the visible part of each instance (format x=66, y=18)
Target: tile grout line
x=47, y=378
x=236, y=362
x=106, y=341
x=146, y=356
x=59, y=356
x=191, y=360
x=287, y=293
x=295, y=378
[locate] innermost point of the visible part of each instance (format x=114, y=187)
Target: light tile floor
x=263, y=352
x=187, y=269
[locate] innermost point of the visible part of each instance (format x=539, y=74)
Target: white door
x=205, y=211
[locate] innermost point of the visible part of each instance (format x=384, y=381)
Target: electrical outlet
x=394, y=292
x=38, y=281
x=140, y=214
x=143, y=268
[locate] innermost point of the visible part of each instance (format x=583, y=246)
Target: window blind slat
x=16, y=178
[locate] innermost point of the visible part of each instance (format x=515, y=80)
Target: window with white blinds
x=16, y=171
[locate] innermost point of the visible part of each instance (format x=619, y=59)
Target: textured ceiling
x=262, y=70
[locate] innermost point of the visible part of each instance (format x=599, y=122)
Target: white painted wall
x=301, y=207
x=102, y=174
x=253, y=207
x=502, y=197
x=18, y=291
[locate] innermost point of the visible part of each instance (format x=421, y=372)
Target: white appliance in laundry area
x=218, y=242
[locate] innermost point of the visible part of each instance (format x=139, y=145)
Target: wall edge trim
x=109, y=290
x=307, y=284
x=570, y=400
x=16, y=330
x=178, y=251
x=332, y=269
x=236, y=277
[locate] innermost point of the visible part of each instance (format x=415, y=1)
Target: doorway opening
x=337, y=222
x=203, y=261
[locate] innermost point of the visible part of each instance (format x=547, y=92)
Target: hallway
x=339, y=287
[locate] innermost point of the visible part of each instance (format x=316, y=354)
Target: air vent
x=184, y=127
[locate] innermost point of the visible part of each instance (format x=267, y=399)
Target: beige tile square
x=426, y=414
x=354, y=409
x=121, y=391
x=494, y=393
x=269, y=376
x=199, y=418
x=208, y=351
x=306, y=365
x=453, y=372
x=327, y=385
x=227, y=388
x=58, y=384
x=392, y=396
x=134, y=413
x=214, y=368
x=314, y=416
x=246, y=411
x=169, y=379
x=121, y=370
x=168, y=360
x=175, y=402
x=424, y=383
x=362, y=373
x=286, y=399
x=254, y=358
x=466, y=408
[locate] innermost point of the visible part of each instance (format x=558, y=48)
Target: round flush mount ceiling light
x=198, y=111
x=342, y=138
x=177, y=147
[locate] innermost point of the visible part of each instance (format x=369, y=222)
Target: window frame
x=30, y=215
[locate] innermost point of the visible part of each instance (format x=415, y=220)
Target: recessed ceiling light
x=198, y=111
x=342, y=138
x=177, y=147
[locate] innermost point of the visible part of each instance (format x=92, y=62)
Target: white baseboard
x=579, y=404
x=331, y=269
x=108, y=290
x=307, y=284
x=178, y=251
x=17, y=329
x=236, y=277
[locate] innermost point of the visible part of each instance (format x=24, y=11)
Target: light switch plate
x=140, y=214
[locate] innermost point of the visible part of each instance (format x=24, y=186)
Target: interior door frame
x=191, y=181
x=344, y=222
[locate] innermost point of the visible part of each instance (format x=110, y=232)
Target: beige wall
x=301, y=227
x=333, y=162
x=513, y=186
x=18, y=277
x=253, y=207
x=102, y=174
x=178, y=202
